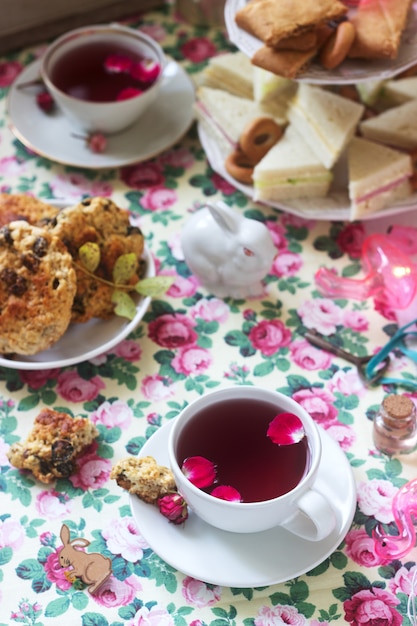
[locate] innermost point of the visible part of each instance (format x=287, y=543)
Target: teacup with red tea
x=245, y=459
x=103, y=77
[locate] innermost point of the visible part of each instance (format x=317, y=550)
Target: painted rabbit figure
x=230, y=254
x=93, y=568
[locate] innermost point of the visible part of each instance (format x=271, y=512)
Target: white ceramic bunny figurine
x=230, y=254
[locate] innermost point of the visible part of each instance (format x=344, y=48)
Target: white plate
x=246, y=560
x=82, y=342
x=333, y=207
x=51, y=135
x=351, y=70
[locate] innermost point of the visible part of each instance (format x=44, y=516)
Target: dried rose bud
x=226, y=492
x=286, y=429
x=97, y=142
x=45, y=101
x=199, y=471
x=173, y=507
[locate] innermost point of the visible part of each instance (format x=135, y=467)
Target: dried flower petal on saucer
x=286, y=429
x=53, y=445
x=144, y=478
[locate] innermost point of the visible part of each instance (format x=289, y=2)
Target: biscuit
x=20, y=206
x=144, y=478
x=53, y=445
x=271, y=21
x=37, y=288
x=101, y=221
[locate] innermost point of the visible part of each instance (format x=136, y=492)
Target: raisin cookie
x=144, y=478
x=100, y=221
x=53, y=445
x=37, y=288
x=19, y=206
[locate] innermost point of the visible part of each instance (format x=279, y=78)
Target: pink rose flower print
x=116, y=592
x=9, y=70
x=200, y=594
x=55, y=573
x=355, y=320
x=308, y=357
x=286, y=264
x=211, y=310
x=360, y=548
x=123, y=537
x=198, y=49
x=322, y=314
x=348, y=383
x=53, y=505
x=172, y=330
x=158, y=198
x=143, y=175
x=351, y=238
x=191, y=360
x=92, y=471
x=319, y=403
x=403, y=581
x=343, y=434
x=11, y=533
x=111, y=415
x=73, y=388
x=375, y=499
x=269, y=336
x=129, y=350
x=282, y=614
x=158, y=388
x=372, y=606
x=155, y=616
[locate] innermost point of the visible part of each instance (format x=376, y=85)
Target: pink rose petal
x=286, y=429
x=226, y=492
x=146, y=71
x=129, y=92
x=118, y=64
x=199, y=471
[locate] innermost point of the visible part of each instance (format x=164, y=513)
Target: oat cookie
x=53, y=445
x=20, y=206
x=37, y=288
x=101, y=221
x=144, y=478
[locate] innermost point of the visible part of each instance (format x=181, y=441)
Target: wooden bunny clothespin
x=91, y=567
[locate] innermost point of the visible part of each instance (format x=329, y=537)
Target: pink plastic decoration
x=404, y=508
x=389, y=272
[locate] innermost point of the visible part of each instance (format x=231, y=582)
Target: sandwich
x=378, y=176
x=290, y=170
x=267, y=86
x=401, y=90
x=326, y=121
x=272, y=21
x=228, y=115
x=395, y=127
x=379, y=25
x=232, y=72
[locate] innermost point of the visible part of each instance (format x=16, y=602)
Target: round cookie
x=20, y=206
x=37, y=288
x=101, y=221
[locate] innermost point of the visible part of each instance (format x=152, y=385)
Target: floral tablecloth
x=189, y=343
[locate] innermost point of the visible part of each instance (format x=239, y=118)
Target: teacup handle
x=314, y=520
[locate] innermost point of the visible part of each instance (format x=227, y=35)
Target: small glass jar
x=395, y=425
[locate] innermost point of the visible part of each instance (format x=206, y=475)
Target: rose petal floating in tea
x=173, y=507
x=129, y=92
x=118, y=63
x=146, y=71
x=286, y=429
x=226, y=492
x=199, y=471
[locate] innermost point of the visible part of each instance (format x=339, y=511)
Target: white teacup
x=105, y=117
x=302, y=510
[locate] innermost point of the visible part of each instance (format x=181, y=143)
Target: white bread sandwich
x=378, y=176
x=401, y=90
x=290, y=170
x=228, y=115
x=232, y=72
x=268, y=86
x=325, y=120
x=396, y=127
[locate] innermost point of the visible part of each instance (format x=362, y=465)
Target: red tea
x=233, y=435
x=82, y=73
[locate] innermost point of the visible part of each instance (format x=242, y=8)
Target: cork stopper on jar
x=398, y=407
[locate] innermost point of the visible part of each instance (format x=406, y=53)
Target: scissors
x=320, y=341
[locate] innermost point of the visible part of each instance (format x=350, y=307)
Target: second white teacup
x=227, y=427
x=74, y=52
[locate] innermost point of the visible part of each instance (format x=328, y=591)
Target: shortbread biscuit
x=144, y=478
x=20, y=206
x=53, y=445
x=379, y=25
x=272, y=21
x=101, y=221
x=37, y=288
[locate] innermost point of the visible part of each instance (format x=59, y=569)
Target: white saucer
x=82, y=342
x=350, y=71
x=51, y=135
x=246, y=560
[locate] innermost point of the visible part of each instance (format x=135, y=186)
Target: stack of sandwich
x=322, y=131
